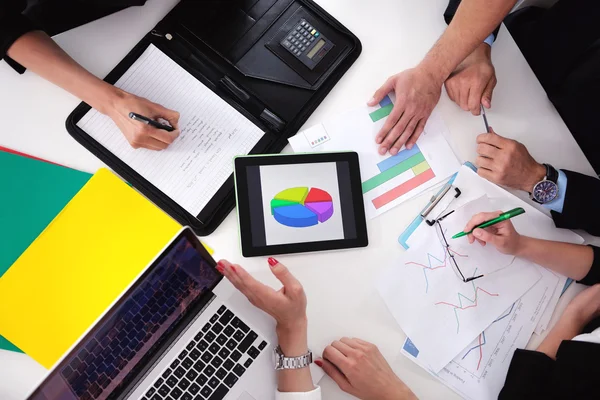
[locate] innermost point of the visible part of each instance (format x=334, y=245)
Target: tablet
x=299, y=203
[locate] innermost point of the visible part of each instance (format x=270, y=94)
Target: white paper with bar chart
x=387, y=180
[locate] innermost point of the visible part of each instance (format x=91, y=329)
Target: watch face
x=545, y=191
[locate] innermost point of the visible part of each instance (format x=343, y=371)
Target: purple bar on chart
x=398, y=158
x=386, y=100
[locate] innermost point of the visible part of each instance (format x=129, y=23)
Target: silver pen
x=485, y=121
x=435, y=199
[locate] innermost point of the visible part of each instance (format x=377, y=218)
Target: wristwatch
x=283, y=362
x=546, y=190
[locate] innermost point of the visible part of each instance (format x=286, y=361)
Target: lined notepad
x=199, y=162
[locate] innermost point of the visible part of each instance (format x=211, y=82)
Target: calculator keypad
x=300, y=38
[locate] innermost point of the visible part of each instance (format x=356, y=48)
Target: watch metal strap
x=299, y=362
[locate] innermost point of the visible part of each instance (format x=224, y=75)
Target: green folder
x=32, y=193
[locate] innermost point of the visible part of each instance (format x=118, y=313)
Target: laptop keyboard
x=211, y=363
x=119, y=340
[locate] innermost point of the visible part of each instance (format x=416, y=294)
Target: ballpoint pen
x=503, y=217
x=485, y=121
x=151, y=122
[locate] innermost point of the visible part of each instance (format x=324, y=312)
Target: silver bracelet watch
x=282, y=362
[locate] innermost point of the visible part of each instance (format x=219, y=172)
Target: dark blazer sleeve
x=574, y=374
x=580, y=210
x=13, y=25
x=593, y=277
x=451, y=11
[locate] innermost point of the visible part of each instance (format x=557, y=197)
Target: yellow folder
x=79, y=265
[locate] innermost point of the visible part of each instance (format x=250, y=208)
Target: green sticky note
x=32, y=193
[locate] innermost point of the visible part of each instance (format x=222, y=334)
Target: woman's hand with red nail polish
x=286, y=305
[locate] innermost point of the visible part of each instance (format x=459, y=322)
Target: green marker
x=503, y=217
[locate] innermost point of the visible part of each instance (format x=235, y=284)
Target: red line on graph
x=472, y=305
x=431, y=268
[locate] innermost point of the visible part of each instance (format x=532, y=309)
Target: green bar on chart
x=391, y=173
x=381, y=113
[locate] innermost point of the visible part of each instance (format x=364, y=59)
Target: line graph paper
x=460, y=306
x=430, y=264
x=439, y=312
x=482, y=343
x=481, y=338
x=478, y=356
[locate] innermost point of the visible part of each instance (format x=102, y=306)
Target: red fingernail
x=272, y=262
x=319, y=363
x=220, y=269
x=233, y=268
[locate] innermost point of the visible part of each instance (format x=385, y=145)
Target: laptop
x=179, y=332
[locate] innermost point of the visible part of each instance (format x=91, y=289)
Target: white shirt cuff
x=313, y=395
x=490, y=39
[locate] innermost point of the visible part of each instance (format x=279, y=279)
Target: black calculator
x=307, y=44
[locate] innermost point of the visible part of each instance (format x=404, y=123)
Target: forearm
x=566, y=329
x=568, y=259
x=473, y=22
x=37, y=52
x=294, y=342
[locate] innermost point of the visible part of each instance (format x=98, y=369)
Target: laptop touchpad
x=245, y=396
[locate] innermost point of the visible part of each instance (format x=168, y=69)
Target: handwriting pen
x=485, y=121
x=151, y=122
x=503, y=217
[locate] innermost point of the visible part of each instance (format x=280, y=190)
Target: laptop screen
x=131, y=332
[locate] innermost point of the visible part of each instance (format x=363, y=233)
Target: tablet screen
x=300, y=203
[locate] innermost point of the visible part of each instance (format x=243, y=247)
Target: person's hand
x=507, y=162
x=286, y=305
x=360, y=370
x=417, y=93
x=140, y=135
x=583, y=308
x=581, y=311
x=473, y=81
x=502, y=235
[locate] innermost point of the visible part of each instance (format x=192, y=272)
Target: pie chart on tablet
x=301, y=207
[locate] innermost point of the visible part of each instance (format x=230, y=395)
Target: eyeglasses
x=450, y=252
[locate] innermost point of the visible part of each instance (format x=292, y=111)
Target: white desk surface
x=395, y=35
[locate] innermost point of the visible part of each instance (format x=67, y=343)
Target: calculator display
x=306, y=43
x=314, y=50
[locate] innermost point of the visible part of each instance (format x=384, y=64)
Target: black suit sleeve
x=451, y=11
x=593, y=276
x=580, y=210
x=13, y=25
x=574, y=374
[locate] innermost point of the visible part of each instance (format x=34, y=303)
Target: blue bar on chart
x=398, y=158
x=386, y=101
x=385, y=108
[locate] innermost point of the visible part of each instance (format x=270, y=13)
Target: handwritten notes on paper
x=199, y=162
